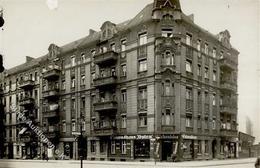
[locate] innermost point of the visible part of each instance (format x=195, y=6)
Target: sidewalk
x=164, y=164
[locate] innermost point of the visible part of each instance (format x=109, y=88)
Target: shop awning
x=22, y=131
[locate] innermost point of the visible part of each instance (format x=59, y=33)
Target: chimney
x=91, y=32
x=191, y=16
x=29, y=59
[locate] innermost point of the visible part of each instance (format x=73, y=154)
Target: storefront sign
x=168, y=137
x=133, y=137
x=189, y=137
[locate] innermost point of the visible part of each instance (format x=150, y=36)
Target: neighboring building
x=246, y=142
x=157, y=86
x=249, y=126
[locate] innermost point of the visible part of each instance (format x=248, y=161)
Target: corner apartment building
x=155, y=87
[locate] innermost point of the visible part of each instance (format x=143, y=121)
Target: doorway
x=214, y=148
x=167, y=149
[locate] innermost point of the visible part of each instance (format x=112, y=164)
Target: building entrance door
x=214, y=148
x=167, y=149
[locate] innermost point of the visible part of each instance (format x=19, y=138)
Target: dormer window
x=167, y=33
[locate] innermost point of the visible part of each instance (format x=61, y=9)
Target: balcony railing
x=52, y=93
x=106, y=58
x=51, y=111
x=228, y=133
x=26, y=101
x=105, y=81
x=224, y=85
x=105, y=128
x=227, y=108
x=107, y=105
x=27, y=84
x=227, y=63
x=51, y=74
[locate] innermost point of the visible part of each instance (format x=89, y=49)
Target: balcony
x=52, y=74
x=109, y=105
x=105, y=128
x=27, y=101
x=27, y=84
x=106, y=58
x=52, y=132
x=105, y=81
x=227, y=64
x=228, y=86
x=227, y=108
x=51, y=111
x=52, y=93
x=228, y=133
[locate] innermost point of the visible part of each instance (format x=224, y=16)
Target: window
x=142, y=38
x=206, y=74
x=73, y=126
x=214, y=53
x=167, y=88
x=188, y=121
x=63, y=85
x=206, y=123
x=83, y=80
x=214, y=124
x=143, y=120
x=123, y=96
x=123, y=45
x=198, y=45
x=63, y=126
x=169, y=59
x=73, y=82
x=73, y=60
x=206, y=48
x=221, y=55
x=83, y=126
x=214, y=100
x=206, y=146
x=113, y=47
x=199, y=122
x=36, y=76
x=142, y=96
x=103, y=49
x=188, y=39
x=123, y=69
x=83, y=57
x=73, y=104
x=167, y=33
x=93, y=76
x=113, y=147
x=123, y=123
x=123, y=147
x=189, y=93
x=93, y=53
x=142, y=65
x=214, y=75
x=93, y=146
x=113, y=71
x=166, y=117
x=188, y=66
x=199, y=70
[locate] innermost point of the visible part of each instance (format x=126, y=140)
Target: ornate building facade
x=156, y=87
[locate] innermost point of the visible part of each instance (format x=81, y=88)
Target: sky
x=31, y=26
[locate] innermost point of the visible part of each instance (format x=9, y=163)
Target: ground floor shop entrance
x=167, y=150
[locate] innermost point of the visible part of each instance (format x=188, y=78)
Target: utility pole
x=80, y=140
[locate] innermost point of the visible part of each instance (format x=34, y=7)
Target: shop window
x=113, y=147
x=199, y=146
x=93, y=146
x=142, y=148
x=123, y=147
x=206, y=146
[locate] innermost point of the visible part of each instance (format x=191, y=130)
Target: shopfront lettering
x=189, y=137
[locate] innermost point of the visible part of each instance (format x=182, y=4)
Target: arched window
x=169, y=58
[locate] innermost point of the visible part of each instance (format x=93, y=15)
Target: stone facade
x=156, y=87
